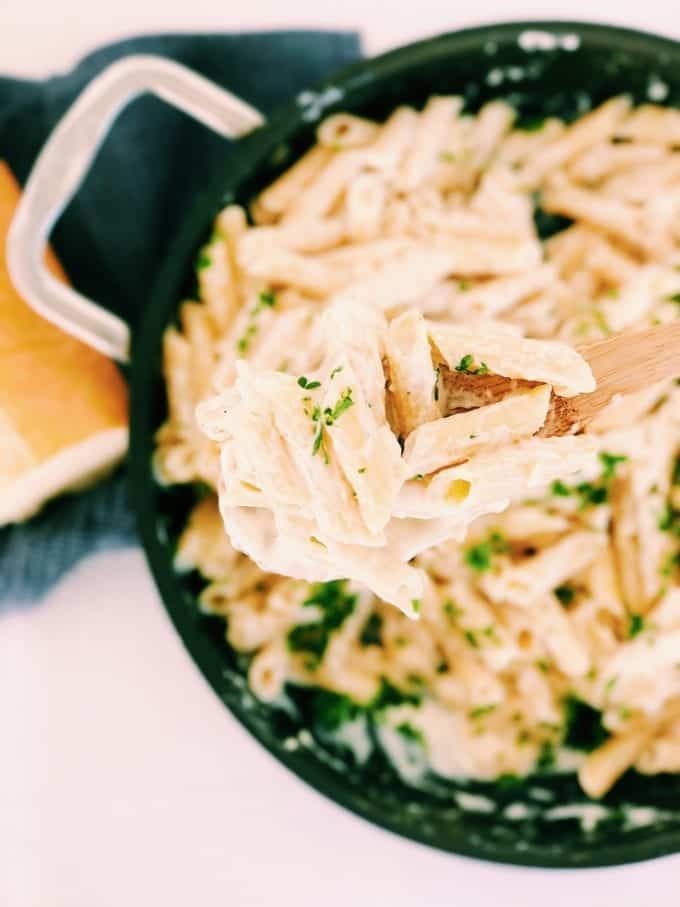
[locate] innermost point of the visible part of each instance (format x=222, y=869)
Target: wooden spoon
x=621, y=365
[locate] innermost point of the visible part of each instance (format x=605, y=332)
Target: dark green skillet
x=560, y=69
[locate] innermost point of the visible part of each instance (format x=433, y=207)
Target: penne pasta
x=359, y=389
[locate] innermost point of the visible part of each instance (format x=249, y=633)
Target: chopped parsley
x=410, y=733
x=362, y=470
x=471, y=638
x=669, y=521
x=308, y=385
x=319, y=443
x=531, y=124
x=203, y=261
x=546, y=757
x=343, y=404
x=335, y=372
x=592, y=494
x=609, y=464
x=583, y=725
x=451, y=610
x=675, y=479
x=670, y=564
x=331, y=710
x=335, y=606
x=266, y=300
x=389, y=695
x=330, y=415
x=416, y=605
x=467, y=367
x=565, y=594
x=479, y=557
x=371, y=634
x=482, y=710
x=636, y=624
x=559, y=489
x=675, y=297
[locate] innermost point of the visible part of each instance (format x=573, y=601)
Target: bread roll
x=63, y=406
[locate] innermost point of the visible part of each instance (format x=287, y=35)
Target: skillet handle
x=65, y=160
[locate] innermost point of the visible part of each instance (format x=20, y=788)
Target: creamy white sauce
x=541, y=794
x=516, y=812
x=533, y=39
x=568, y=760
x=408, y=757
x=643, y=816
x=474, y=803
x=589, y=815
x=355, y=736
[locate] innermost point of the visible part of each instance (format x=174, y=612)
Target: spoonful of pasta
x=406, y=432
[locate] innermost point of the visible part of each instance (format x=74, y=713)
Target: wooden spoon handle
x=621, y=365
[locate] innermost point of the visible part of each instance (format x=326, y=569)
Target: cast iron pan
x=560, y=69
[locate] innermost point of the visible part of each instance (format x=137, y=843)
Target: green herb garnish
x=583, y=725
x=466, y=366
x=410, y=733
x=343, y=404
x=371, y=634
x=267, y=299
x=479, y=557
x=546, y=757
x=636, y=624
x=609, y=464
x=335, y=606
x=565, y=594
x=670, y=564
x=203, y=261
x=482, y=710
x=559, y=489
x=451, y=609
x=471, y=638
x=675, y=478
x=308, y=385
x=331, y=710
x=592, y=494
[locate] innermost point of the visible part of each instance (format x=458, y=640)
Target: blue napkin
x=113, y=236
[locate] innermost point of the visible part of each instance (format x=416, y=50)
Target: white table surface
x=123, y=780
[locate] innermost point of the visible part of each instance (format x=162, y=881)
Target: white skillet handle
x=63, y=163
